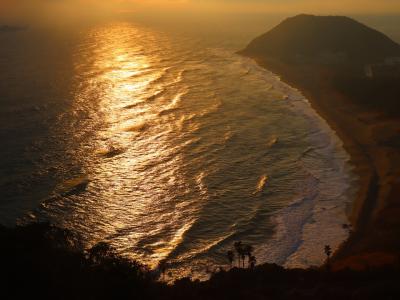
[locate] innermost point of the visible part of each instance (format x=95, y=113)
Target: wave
x=162, y=76
x=110, y=151
x=130, y=106
x=211, y=110
x=261, y=184
x=307, y=151
x=228, y=136
x=137, y=127
x=177, y=240
x=187, y=119
x=156, y=95
x=141, y=73
x=274, y=140
x=290, y=222
x=173, y=106
x=163, y=91
x=166, y=74
x=68, y=188
x=167, y=111
x=200, y=251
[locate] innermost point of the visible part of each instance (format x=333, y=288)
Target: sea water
x=168, y=147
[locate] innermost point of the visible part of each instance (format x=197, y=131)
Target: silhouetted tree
x=62, y=238
x=239, y=249
x=231, y=256
x=248, y=250
x=328, y=252
x=243, y=256
x=99, y=252
x=252, y=261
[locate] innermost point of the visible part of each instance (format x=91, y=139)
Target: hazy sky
x=74, y=9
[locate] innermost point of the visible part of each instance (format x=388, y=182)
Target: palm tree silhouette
x=248, y=250
x=231, y=256
x=243, y=255
x=239, y=249
x=252, y=261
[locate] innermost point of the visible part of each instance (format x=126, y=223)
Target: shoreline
x=343, y=116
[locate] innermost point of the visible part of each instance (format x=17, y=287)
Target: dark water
x=168, y=147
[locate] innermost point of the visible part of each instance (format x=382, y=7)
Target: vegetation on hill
x=41, y=261
x=334, y=52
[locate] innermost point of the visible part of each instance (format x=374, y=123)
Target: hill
x=325, y=39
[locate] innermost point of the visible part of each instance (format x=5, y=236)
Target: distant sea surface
x=167, y=147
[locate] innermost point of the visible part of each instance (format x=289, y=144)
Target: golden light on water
x=123, y=84
x=174, y=161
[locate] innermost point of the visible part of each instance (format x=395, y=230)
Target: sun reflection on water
x=173, y=161
x=132, y=194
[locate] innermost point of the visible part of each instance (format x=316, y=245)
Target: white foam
x=316, y=216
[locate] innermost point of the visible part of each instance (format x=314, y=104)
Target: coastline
x=355, y=127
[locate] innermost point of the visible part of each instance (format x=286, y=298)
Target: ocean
x=168, y=147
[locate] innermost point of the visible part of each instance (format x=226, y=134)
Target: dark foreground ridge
x=43, y=262
x=350, y=73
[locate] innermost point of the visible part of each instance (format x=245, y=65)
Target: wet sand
x=373, y=141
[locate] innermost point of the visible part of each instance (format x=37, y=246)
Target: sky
x=72, y=10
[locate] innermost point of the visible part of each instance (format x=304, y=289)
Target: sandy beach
x=372, y=139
